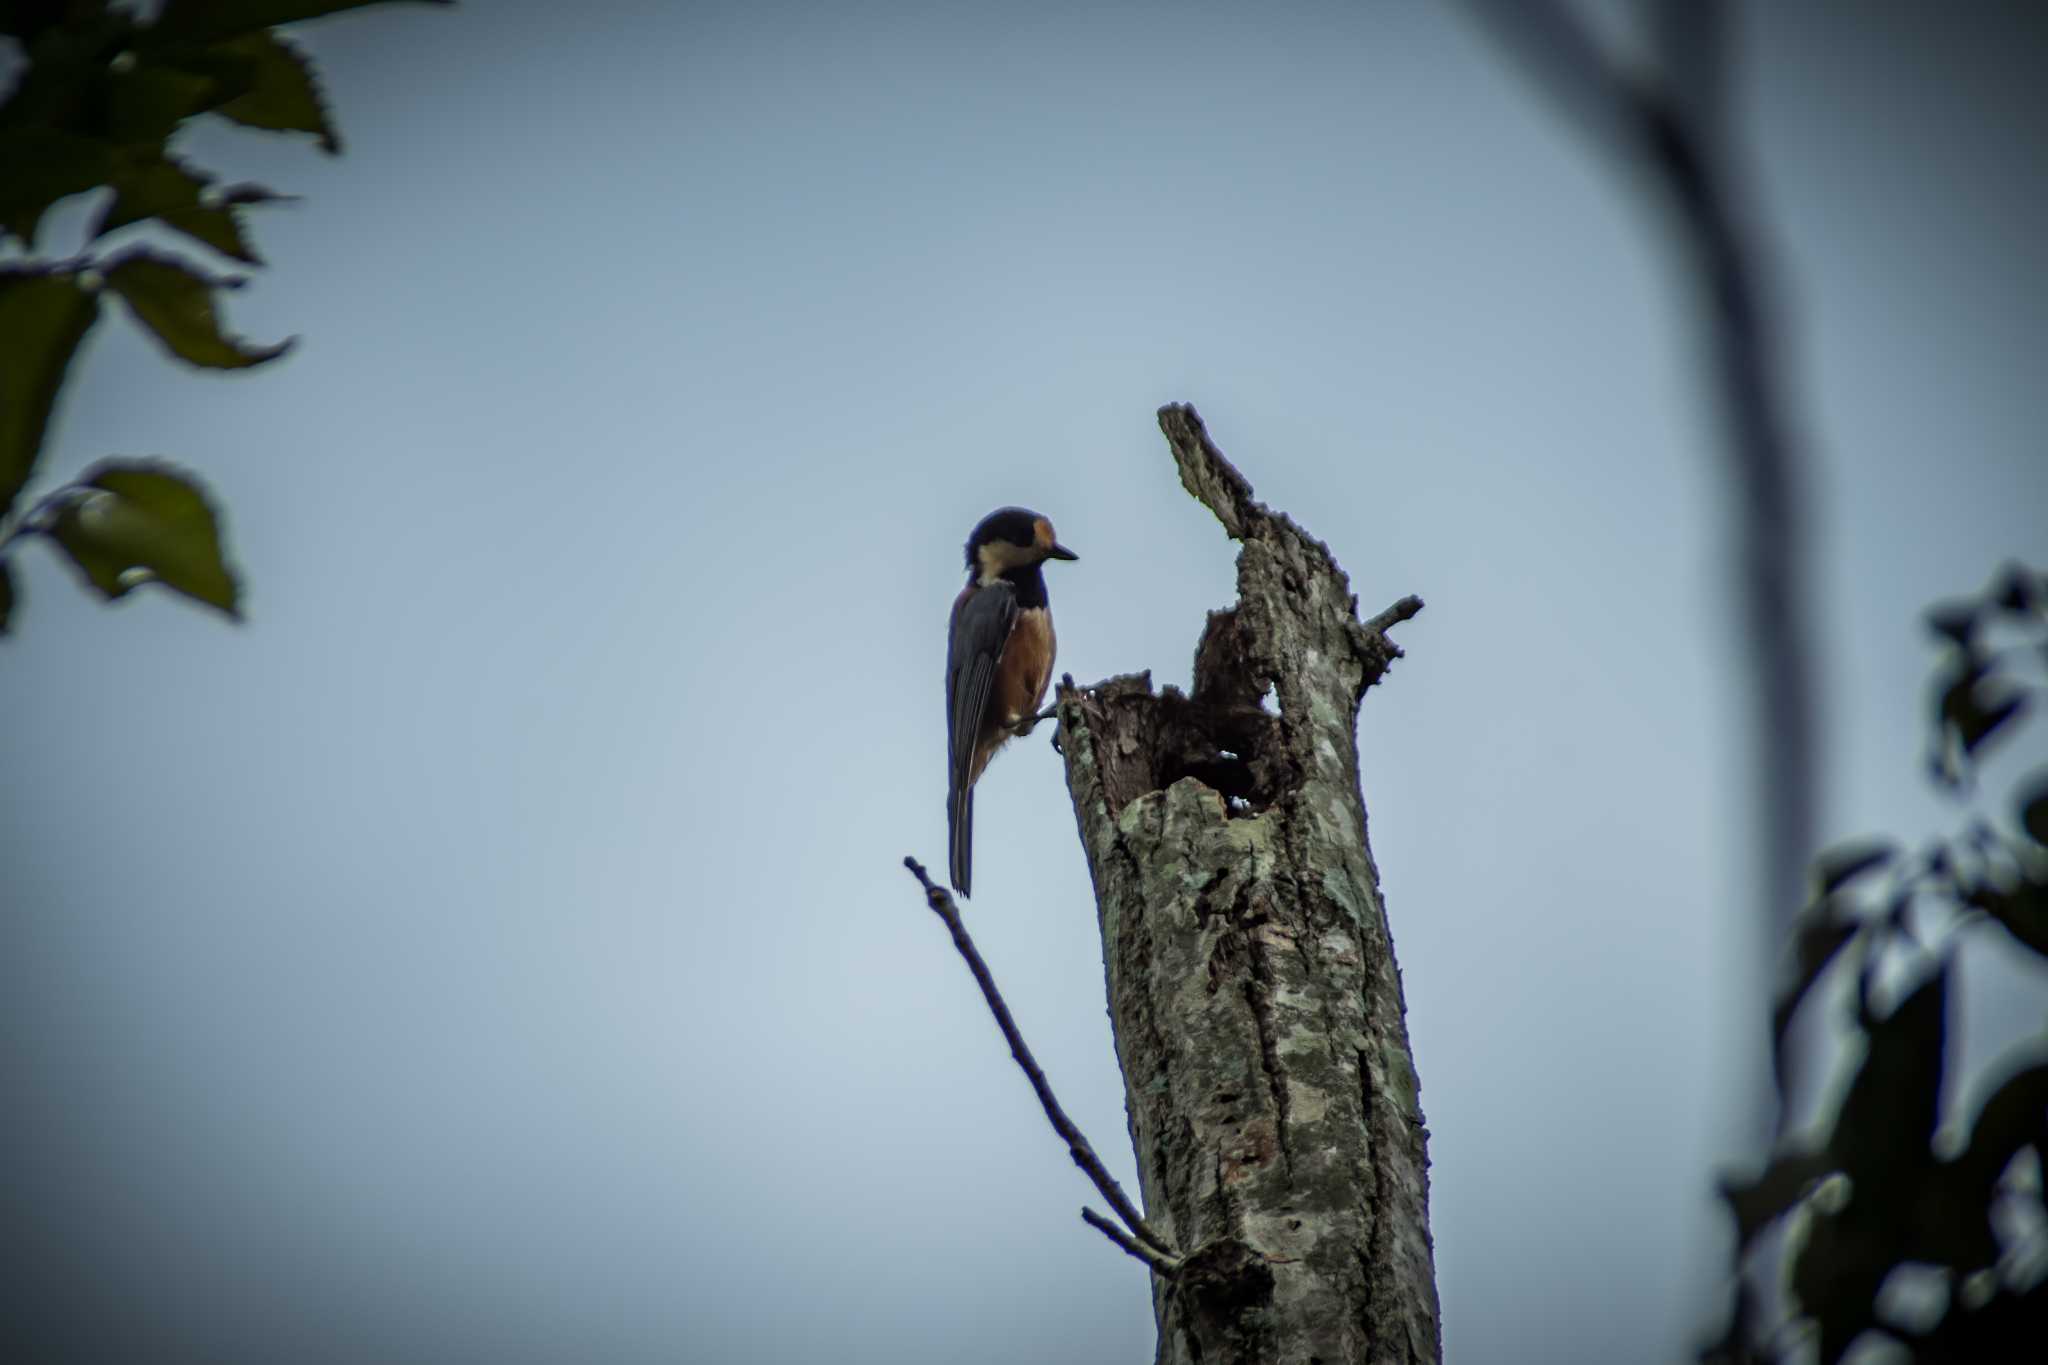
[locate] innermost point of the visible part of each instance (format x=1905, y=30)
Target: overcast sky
x=498, y=949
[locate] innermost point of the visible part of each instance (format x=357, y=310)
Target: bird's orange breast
x=1025, y=668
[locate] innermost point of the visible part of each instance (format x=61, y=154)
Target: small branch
x=942, y=904
x=1403, y=610
x=1166, y=1266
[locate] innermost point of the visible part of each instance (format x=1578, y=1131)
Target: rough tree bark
x=1257, y=1007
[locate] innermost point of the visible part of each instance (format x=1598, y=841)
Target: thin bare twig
x=1166, y=1266
x=942, y=904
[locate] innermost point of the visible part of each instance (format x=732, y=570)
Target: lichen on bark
x=1252, y=985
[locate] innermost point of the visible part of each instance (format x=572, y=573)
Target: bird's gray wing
x=982, y=619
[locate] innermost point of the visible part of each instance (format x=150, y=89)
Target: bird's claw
x=1030, y=723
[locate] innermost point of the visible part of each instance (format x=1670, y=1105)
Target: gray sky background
x=498, y=948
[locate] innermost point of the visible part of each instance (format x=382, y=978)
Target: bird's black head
x=1011, y=538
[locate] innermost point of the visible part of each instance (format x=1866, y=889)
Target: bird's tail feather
x=960, y=824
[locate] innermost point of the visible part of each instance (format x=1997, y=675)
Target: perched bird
x=998, y=659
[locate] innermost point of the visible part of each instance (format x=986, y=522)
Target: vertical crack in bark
x=1375, y=1252
x=1258, y=998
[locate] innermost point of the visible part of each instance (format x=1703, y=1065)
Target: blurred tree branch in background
x=99, y=97
x=1935, y=1241
x=1670, y=127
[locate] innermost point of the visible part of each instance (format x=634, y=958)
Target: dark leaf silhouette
x=6, y=595
x=1881, y=1140
x=96, y=93
x=1974, y=703
x=175, y=302
x=1887, y=1119
x=146, y=101
x=2015, y=1115
x=146, y=522
x=176, y=195
x=282, y=95
x=1982, y=722
x=43, y=317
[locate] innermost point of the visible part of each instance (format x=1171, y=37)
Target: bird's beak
x=1059, y=551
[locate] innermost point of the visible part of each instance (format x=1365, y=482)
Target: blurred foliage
x=1901, y=1238
x=99, y=95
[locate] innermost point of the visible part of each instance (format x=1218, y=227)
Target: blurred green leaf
x=43, y=317
x=145, y=522
x=283, y=96
x=213, y=19
x=174, y=194
x=44, y=165
x=175, y=302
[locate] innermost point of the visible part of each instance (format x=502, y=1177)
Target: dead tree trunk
x=1257, y=1007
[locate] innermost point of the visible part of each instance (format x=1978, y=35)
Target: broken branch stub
x=1252, y=985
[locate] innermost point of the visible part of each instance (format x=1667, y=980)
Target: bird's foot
x=1030, y=723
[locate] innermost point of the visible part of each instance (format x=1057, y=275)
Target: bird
x=999, y=652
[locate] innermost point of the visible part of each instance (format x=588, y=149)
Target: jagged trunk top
x=1252, y=983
